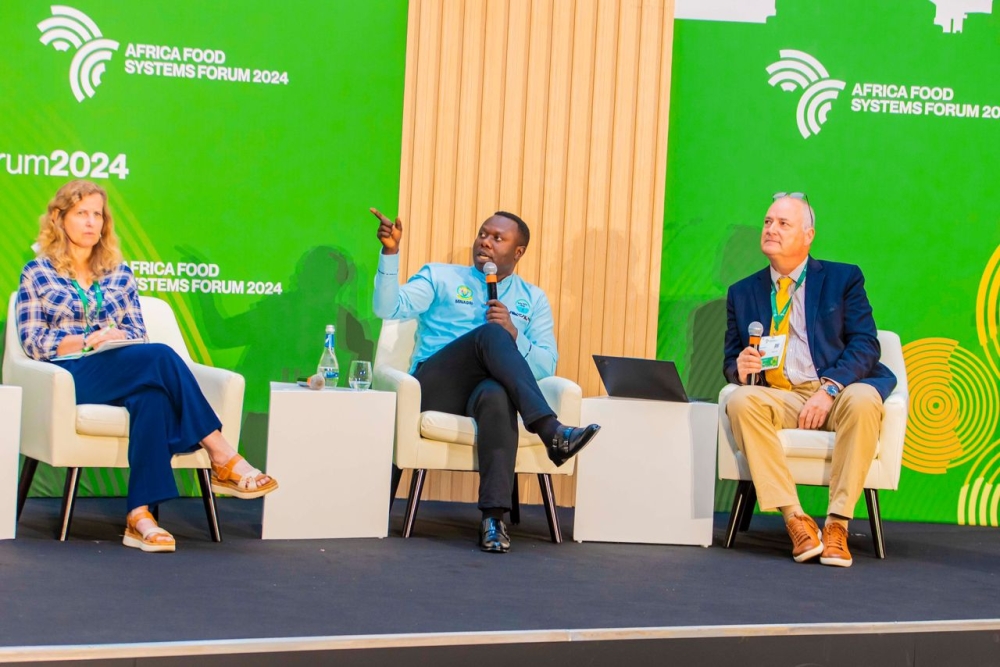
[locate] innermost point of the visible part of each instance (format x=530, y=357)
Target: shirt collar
x=481, y=277
x=794, y=275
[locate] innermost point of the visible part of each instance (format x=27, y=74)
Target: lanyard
x=778, y=317
x=98, y=296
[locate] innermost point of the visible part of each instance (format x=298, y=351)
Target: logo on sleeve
x=521, y=309
x=463, y=295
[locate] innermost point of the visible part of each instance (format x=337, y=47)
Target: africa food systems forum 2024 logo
x=800, y=71
x=71, y=29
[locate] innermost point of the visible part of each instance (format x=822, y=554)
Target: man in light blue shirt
x=481, y=357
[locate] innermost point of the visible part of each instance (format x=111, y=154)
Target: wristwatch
x=831, y=389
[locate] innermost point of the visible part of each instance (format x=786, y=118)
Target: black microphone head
x=490, y=269
x=755, y=329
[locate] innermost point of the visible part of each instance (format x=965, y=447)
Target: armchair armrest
x=893, y=435
x=728, y=459
x=48, y=405
x=224, y=391
x=407, y=390
x=564, y=397
x=726, y=393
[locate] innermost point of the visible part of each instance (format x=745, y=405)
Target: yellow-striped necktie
x=776, y=377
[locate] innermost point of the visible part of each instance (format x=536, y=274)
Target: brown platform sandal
x=228, y=483
x=153, y=540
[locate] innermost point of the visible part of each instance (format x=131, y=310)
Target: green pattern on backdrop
x=270, y=182
x=910, y=197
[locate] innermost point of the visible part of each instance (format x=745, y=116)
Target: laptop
x=626, y=377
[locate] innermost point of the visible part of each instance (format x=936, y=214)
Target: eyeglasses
x=801, y=196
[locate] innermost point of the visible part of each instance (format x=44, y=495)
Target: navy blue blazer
x=840, y=328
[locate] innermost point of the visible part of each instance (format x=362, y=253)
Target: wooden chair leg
x=24, y=484
x=69, y=499
x=551, y=513
x=397, y=474
x=736, y=514
x=208, y=499
x=875, y=519
x=748, y=509
x=413, y=502
x=515, y=504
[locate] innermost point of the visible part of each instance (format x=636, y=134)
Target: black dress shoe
x=493, y=536
x=568, y=441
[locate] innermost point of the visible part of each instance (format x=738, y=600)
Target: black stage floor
x=92, y=590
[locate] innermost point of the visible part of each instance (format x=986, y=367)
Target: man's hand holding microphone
x=748, y=364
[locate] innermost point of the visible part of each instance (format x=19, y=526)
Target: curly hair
x=53, y=242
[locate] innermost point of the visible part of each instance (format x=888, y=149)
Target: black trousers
x=483, y=375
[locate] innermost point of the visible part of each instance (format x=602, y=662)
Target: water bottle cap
x=329, y=328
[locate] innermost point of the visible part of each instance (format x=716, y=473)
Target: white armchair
x=57, y=431
x=810, y=453
x=442, y=441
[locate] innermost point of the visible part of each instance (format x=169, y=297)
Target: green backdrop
x=255, y=137
x=906, y=191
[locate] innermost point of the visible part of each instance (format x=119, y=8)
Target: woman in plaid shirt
x=76, y=296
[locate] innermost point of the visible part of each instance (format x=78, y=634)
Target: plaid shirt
x=49, y=307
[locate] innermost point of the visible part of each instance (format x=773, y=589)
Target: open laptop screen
x=627, y=377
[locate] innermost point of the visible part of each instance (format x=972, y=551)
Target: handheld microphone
x=314, y=382
x=755, y=330
x=490, y=269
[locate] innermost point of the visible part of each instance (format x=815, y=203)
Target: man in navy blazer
x=828, y=377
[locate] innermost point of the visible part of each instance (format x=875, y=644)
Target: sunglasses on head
x=796, y=195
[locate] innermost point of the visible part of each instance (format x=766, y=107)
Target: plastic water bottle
x=328, y=366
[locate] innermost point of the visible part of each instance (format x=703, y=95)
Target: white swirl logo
x=797, y=69
x=68, y=27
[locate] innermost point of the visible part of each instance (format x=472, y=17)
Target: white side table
x=650, y=475
x=331, y=451
x=10, y=448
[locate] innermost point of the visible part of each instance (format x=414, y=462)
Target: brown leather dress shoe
x=806, y=542
x=835, y=552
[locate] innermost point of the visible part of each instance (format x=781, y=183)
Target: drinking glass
x=361, y=375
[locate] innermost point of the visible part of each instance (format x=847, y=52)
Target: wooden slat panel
x=550, y=231
x=494, y=101
x=556, y=110
x=418, y=229
x=446, y=145
x=596, y=281
x=644, y=177
x=471, y=101
x=535, y=128
x=515, y=93
x=656, y=225
x=570, y=326
x=619, y=219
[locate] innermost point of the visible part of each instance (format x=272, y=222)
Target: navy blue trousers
x=483, y=375
x=168, y=414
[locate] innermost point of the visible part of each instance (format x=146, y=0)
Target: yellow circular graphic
x=954, y=403
x=979, y=497
x=988, y=312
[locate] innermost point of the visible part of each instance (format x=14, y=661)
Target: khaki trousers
x=758, y=413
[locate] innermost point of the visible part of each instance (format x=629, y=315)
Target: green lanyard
x=98, y=296
x=779, y=317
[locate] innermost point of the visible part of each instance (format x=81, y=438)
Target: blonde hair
x=53, y=242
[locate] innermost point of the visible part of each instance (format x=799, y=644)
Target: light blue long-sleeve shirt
x=449, y=301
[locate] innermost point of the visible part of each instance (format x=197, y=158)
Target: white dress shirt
x=799, y=366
